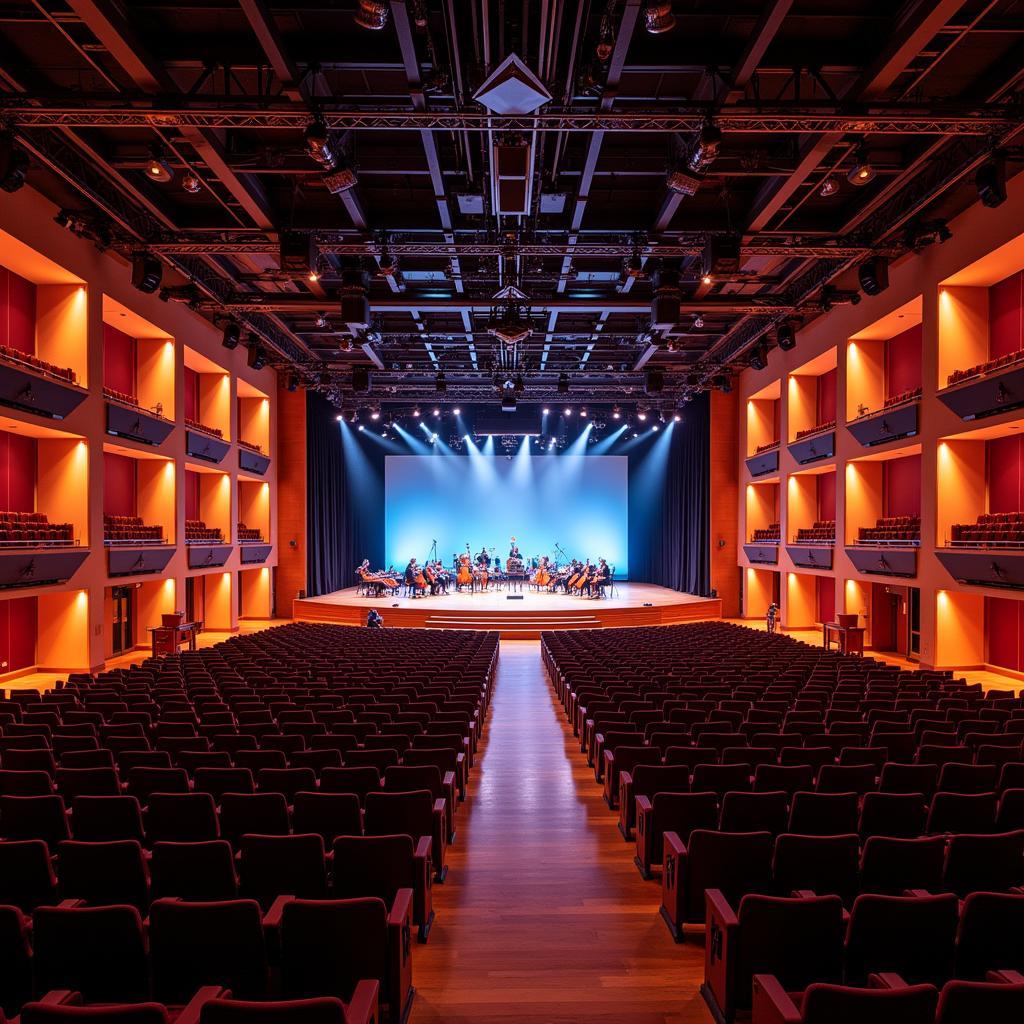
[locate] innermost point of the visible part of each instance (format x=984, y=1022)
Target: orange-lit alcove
x=883, y=362
x=43, y=315
x=760, y=588
x=811, y=506
x=207, y=395
x=883, y=498
x=762, y=512
x=763, y=419
x=253, y=509
x=207, y=506
x=254, y=593
x=138, y=361
x=138, y=497
x=811, y=397
x=253, y=418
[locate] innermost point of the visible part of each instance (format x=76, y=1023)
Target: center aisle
x=544, y=917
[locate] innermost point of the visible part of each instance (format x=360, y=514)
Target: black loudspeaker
x=873, y=274
x=147, y=272
x=654, y=382
x=256, y=357
x=355, y=305
x=666, y=300
x=722, y=255
x=360, y=378
x=990, y=181
x=297, y=253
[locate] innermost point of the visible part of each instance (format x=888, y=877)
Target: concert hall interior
x=512, y=511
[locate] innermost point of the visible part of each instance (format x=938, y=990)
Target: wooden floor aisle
x=544, y=917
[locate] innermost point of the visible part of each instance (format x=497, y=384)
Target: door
x=914, y=623
x=123, y=626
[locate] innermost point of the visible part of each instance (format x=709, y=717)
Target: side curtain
x=329, y=563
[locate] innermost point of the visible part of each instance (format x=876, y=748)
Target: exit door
x=123, y=626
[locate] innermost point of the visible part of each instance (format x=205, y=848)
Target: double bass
x=464, y=577
x=542, y=577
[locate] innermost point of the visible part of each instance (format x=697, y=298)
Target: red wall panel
x=17, y=472
x=903, y=362
x=120, y=361
x=118, y=485
x=827, y=496
x=17, y=312
x=826, y=599
x=902, y=487
x=1005, y=474
x=827, y=397
x=1004, y=629
x=1006, y=316
x=191, y=395
x=191, y=495
x=18, y=633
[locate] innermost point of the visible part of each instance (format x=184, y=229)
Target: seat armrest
x=70, y=904
x=772, y=1003
x=272, y=918
x=365, y=1004
x=399, y=954
x=886, y=979
x=721, y=939
x=401, y=909
x=916, y=892
x=1006, y=977
x=194, y=1007
x=673, y=891
x=61, y=997
x=643, y=805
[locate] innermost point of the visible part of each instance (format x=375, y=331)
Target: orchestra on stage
x=486, y=572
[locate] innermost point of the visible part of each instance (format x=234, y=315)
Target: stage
x=523, y=617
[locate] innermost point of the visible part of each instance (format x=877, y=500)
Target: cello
x=464, y=577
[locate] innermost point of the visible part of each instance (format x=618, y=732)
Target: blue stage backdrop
x=578, y=501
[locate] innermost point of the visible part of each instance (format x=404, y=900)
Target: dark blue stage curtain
x=670, y=516
x=329, y=563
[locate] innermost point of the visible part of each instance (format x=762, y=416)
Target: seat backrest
x=684, y=812
x=15, y=954
x=372, y=866
x=214, y=943
x=273, y=866
x=359, y=781
x=193, y=871
x=112, y=872
x=259, y=813
x=26, y=875
x=754, y=812
x=399, y=813
x=962, y=812
x=218, y=781
x=649, y=779
x=826, y=865
x=73, y=1013
x=402, y=779
x=106, y=818
x=892, y=814
x=991, y=935
x=737, y=863
x=327, y=946
x=876, y=939
x=325, y=1010
x=98, y=951
x=181, y=817
x=34, y=817
x=968, y=1002
x=787, y=778
x=800, y=941
x=329, y=815
x=984, y=862
x=890, y=865
x=843, y=1004
x=721, y=778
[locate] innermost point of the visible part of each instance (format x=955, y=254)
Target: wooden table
x=849, y=639
x=167, y=639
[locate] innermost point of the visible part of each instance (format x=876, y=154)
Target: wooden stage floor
x=516, y=614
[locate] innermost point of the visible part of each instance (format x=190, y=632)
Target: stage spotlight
x=545, y=410
x=437, y=411
x=293, y=382
x=231, y=334
x=707, y=279
x=416, y=411
x=157, y=167
x=191, y=183
x=456, y=411
x=829, y=187
x=706, y=148
x=256, y=356
x=318, y=143
x=375, y=413
x=862, y=172
x=321, y=320
x=658, y=17
x=616, y=412
x=371, y=14
x=641, y=415
x=568, y=411
x=677, y=418
x=563, y=383
x=353, y=416
x=721, y=383
x=13, y=164
x=147, y=272
x=583, y=412
x=758, y=357
x=338, y=417
x=655, y=428
x=873, y=275
x=698, y=321
x=440, y=384
x=990, y=181
x=683, y=181
x=361, y=427
x=785, y=336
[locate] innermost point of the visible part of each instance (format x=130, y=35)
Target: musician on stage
x=514, y=550
x=412, y=571
x=600, y=579
x=483, y=559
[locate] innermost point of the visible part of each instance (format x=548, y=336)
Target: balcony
x=817, y=443
x=987, y=389
x=126, y=418
x=206, y=443
x=765, y=460
x=36, y=386
x=251, y=458
x=898, y=419
x=134, y=548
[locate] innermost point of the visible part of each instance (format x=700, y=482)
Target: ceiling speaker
x=147, y=272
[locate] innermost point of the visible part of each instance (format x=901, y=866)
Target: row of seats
x=890, y=529
x=992, y=529
x=196, y=425
x=250, y=446
x=823, y=530
x=122, y=397
x=769, y=446
x=904, y=396
x=1000, y=363
x=294, y=762
x=818, y=428
x=771, y=534
x=19, y=358
x=33, y=528
x=776, y=760
x=197, y=532
x=246, y=533
x=126, y=529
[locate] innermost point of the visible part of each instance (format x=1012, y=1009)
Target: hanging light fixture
x=372, y=15
x=862, y=172
x=658, y=17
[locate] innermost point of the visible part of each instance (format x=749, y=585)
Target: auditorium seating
x=249, y=446
x=203, y=428
x=991, y=366
x=991, y=530
x=770, y=446
x=33, y=529
x=782, y=770
x=818, y=428
x=248, y=535
x=213, y=804
x=23, y=359
x=891, y=530
x=197, y=532
x=130, y=530
x=771, y=534
x=902, y=398
x=822, y=532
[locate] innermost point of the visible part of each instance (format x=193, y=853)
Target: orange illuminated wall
x=903, y=362
x=213, y=491
x=18, y=617
x=254, y=421
x=62, y=327
x=63, y=644
x=119, y=361
x=155, y=495
x=762, y=423
x=801, y=600
x=803, y=403
x=802, y=510
x=857, y=601
x=291, y=497
x=215, y=402
x=17, y=312
x=154, y=384
x=724, y=482
x=865, y=377
x=963, y=329
x=864, y=496
x=762, y=506
x=959, y=629
x=218, y=593
x=255, y=593
x=254, y=505
x=760, y=590
x=960, y=481
x=62, y=483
